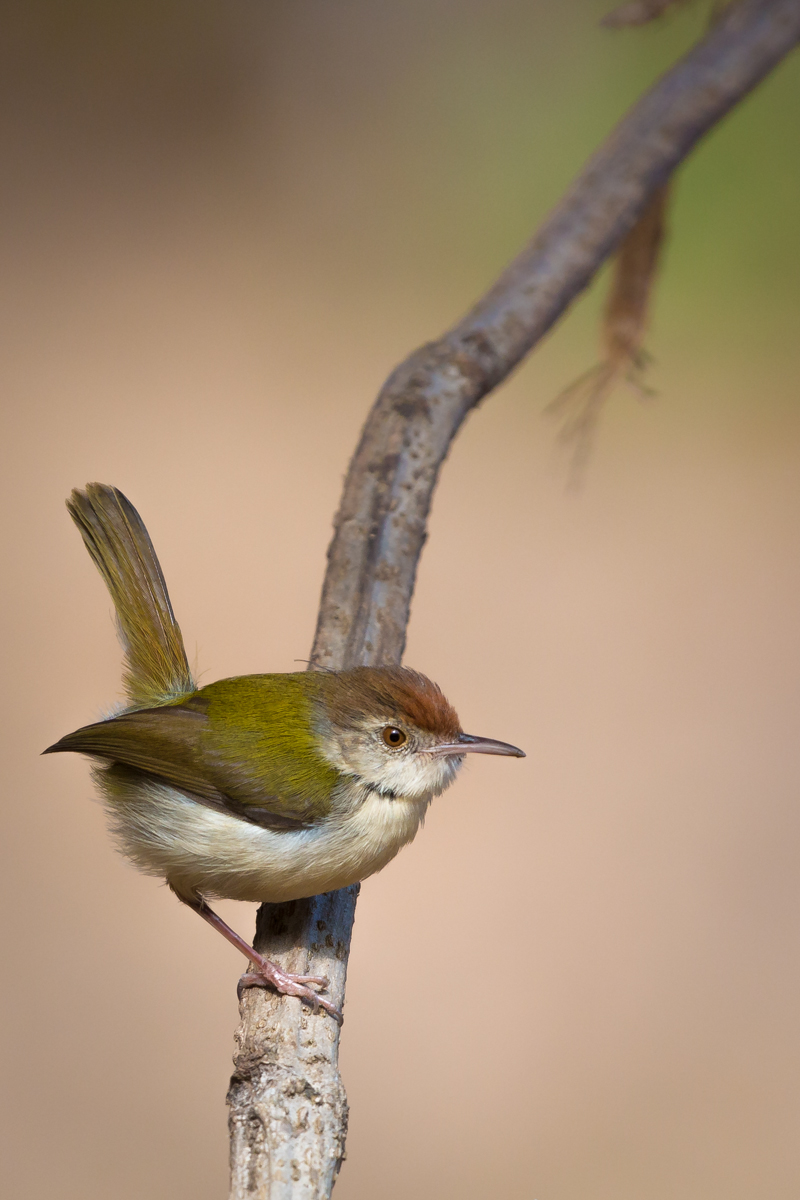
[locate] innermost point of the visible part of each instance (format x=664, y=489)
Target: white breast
x=199, y=849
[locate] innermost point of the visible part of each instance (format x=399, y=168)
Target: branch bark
x=288, y=1111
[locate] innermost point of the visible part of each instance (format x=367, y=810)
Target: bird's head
x=395, y=731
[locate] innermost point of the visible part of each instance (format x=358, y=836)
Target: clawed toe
x=289, y=985
x=319, y=980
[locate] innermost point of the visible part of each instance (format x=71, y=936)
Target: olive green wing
x=171, y=743
x=262, y=739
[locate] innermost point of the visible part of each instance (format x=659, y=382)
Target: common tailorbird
x=261, y=787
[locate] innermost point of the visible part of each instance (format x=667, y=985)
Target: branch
x=288, y=1109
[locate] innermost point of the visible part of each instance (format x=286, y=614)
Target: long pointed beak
x=467, y=744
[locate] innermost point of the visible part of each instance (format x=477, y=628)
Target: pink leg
x=266, y=973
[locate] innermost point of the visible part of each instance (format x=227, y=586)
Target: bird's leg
x=266, y=973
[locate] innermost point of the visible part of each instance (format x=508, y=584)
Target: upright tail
x=156, y=666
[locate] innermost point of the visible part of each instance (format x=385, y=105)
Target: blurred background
x=223, y=223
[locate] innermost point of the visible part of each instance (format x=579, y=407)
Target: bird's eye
x=393, y=736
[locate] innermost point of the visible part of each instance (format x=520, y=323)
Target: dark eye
x=393, y=736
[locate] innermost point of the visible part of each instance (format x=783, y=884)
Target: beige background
x=223, y=223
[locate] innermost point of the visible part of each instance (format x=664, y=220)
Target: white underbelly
x=200, y=849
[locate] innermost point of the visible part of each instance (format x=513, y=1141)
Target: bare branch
x=287, y=1104
x=381, y=521
x=288, y=1109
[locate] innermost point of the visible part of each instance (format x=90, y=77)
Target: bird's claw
x=286, y=984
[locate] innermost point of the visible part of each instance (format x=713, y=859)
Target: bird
x=267, y=787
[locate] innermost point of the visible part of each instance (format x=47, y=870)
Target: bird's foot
x=267, y=974
x=263, y=973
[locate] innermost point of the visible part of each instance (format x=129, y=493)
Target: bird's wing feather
x=170, y=743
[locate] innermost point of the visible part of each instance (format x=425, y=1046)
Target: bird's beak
x=467, y=744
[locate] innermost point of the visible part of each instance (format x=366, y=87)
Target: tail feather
x=115, y=536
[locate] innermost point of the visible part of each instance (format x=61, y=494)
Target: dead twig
x=624, y=323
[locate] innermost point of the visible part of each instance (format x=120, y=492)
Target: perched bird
x=261, y=787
